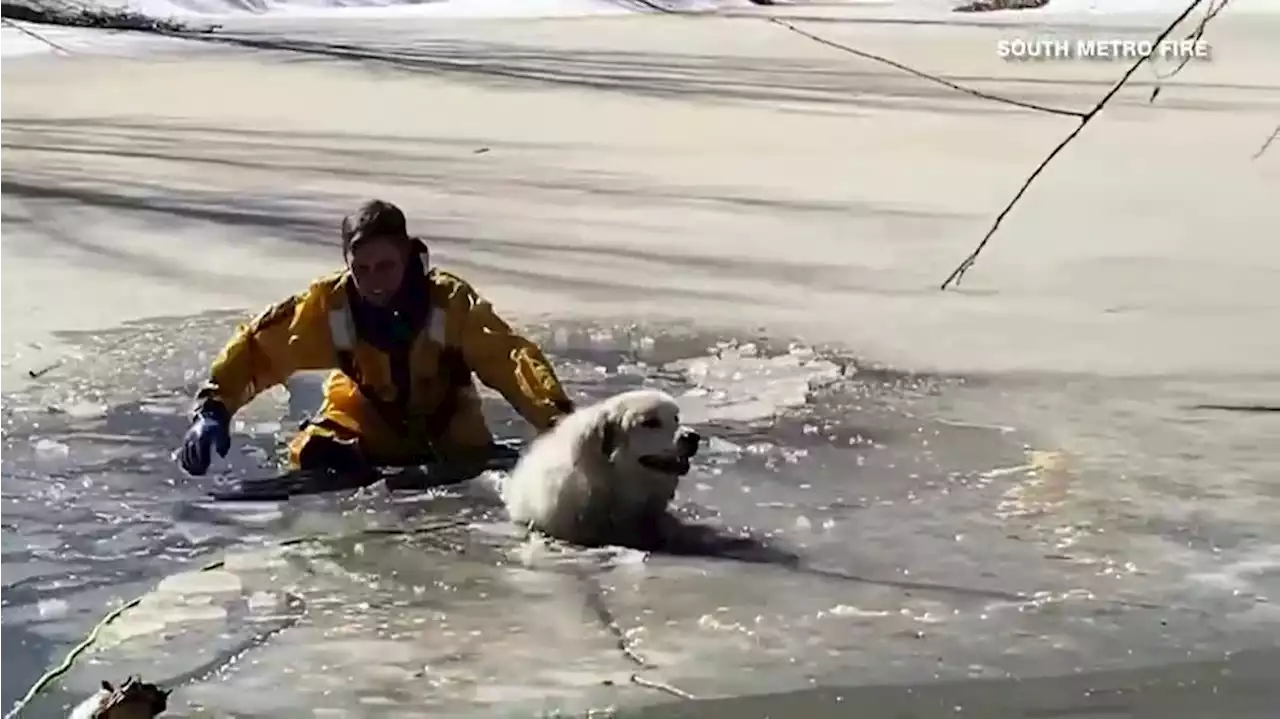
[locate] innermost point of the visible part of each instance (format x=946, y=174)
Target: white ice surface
x=737, y=384
x=15, y=42
x=1158, y=263
x=22, y=39
x=19, y=38
x=386, y=8
x=1121, y=7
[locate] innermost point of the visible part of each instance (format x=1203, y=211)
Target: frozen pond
x=1066, y=528
x=934, y=543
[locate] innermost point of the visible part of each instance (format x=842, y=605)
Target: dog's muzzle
x=687, y=444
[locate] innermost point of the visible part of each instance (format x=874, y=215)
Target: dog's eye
x=651, y=423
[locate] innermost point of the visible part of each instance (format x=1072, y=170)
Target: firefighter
x=403, y=340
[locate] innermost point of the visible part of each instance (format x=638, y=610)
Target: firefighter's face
x=378, y=267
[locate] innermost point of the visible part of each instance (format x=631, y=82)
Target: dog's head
x=642, y=427
x=134, y=699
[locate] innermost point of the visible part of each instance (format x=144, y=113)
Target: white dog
x=606, y=473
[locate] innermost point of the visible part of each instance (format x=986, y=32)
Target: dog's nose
x=688, y=442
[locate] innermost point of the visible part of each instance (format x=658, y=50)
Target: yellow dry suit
x=395, y=401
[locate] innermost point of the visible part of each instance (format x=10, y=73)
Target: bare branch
x=1194, y=36
x=958, y=273
x=1267, y=144
x=662, y=687
x=923, y=75
x=36, y=35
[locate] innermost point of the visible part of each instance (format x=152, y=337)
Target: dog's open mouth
x=666, y=464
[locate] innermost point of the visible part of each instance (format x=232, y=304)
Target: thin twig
x=1193, y=36
x=1267, y=144
x=924, y=75
x=662, y=687
x=1254, y=408
x=75, y=353
x=35, y=35
x=594, y=596
x=958, y=273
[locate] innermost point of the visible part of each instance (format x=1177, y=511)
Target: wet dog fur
x=606, y=473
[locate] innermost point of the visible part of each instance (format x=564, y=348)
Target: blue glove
x=210, y=430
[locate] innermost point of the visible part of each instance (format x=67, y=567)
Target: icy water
x=966, y=546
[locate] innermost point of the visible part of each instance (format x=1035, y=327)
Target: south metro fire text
x=1101, y=49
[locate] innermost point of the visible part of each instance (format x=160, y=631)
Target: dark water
x=1239, y=686
x=931, y=582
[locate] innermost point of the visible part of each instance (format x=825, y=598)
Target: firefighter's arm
x=285, y=338
x=510, y=363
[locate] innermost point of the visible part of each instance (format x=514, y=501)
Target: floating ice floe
x=737, y=384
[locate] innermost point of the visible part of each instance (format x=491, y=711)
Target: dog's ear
x=160, y=701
